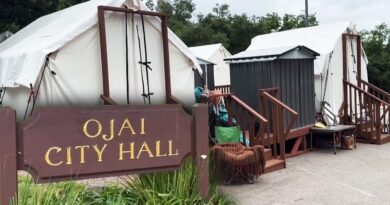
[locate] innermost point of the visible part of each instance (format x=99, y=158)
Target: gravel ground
x=360, y=176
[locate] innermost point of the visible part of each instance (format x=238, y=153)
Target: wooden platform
x=385, y=138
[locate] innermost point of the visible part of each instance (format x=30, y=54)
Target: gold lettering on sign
x=99, y=128
x=47, y=156
x=99, y=152
x=142, y=126
x=82, y=152
x=68, y=156
x=145, y=148
x=121, y=151
x=126, y=125
x=158, y=149
x=170, y=145
x=111, y=131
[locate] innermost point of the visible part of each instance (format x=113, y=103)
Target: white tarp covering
x=327, y=41
x=215, y=53
x=73, y=76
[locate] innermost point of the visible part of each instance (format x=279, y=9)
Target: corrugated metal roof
x=267, y=54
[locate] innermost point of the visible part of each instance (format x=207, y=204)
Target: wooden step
x=267, y=154
x=385, y=138
x=273, y=165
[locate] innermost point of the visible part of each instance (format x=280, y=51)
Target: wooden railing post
x=8, y=157
x=281, y=133
x=378, y=127
x=201, y=157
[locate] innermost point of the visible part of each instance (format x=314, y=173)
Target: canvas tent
x=328, y=67
x=73, y=76
x=215, y=53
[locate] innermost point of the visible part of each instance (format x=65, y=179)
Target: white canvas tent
x=327, y=41
x=215, y=53
x=73, y=76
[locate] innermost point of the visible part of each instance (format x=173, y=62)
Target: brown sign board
x=57, y=144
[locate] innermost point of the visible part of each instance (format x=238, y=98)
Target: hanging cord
x=33, y=95
x=2, y=94
x=127, y=62
x=146, y=63
x=29, y=100
x=353, y=56
x=140, y=62
x=39, y=85
x=327, y=76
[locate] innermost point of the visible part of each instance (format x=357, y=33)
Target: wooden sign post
x=58, y=144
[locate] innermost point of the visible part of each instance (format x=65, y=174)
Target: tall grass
x=163, y=188
x=69, y=193
x=172, y=188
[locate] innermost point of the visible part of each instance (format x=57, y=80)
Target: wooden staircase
x=368, y=107
x=254, y=126
x=272, y=163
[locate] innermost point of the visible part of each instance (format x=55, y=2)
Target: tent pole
x=140, y=63
x=147, y=67
x=345, y=73
x=167, y=69
x=127, y=62
x=359, y=60
x=103, y=51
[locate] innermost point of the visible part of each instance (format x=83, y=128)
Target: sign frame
x=13, y=137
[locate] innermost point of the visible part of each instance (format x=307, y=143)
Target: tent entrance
x=144, y=63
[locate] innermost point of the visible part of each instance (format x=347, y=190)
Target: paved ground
x=360, y=176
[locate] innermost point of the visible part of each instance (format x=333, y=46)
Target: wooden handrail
x=270, y=89
x=375, y=111
x=248, y=109
x=367, y=93
x=240, y=113
x=378, y=90
x=278, y=102
x=277, y=116
x=220, y=95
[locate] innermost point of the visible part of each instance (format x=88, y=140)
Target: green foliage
x=171, y=188
x=163, y=188
x=16, y=14
x=376, y=44
x=59, y=193
x=220, y=26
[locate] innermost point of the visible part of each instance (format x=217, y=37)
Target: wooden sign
x=58, y=144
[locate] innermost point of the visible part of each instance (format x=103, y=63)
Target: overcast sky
x=365, y=13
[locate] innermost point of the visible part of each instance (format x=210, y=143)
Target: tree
x=376, y=45
x=220, y=26
x=16, y=14
x=291, y=21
